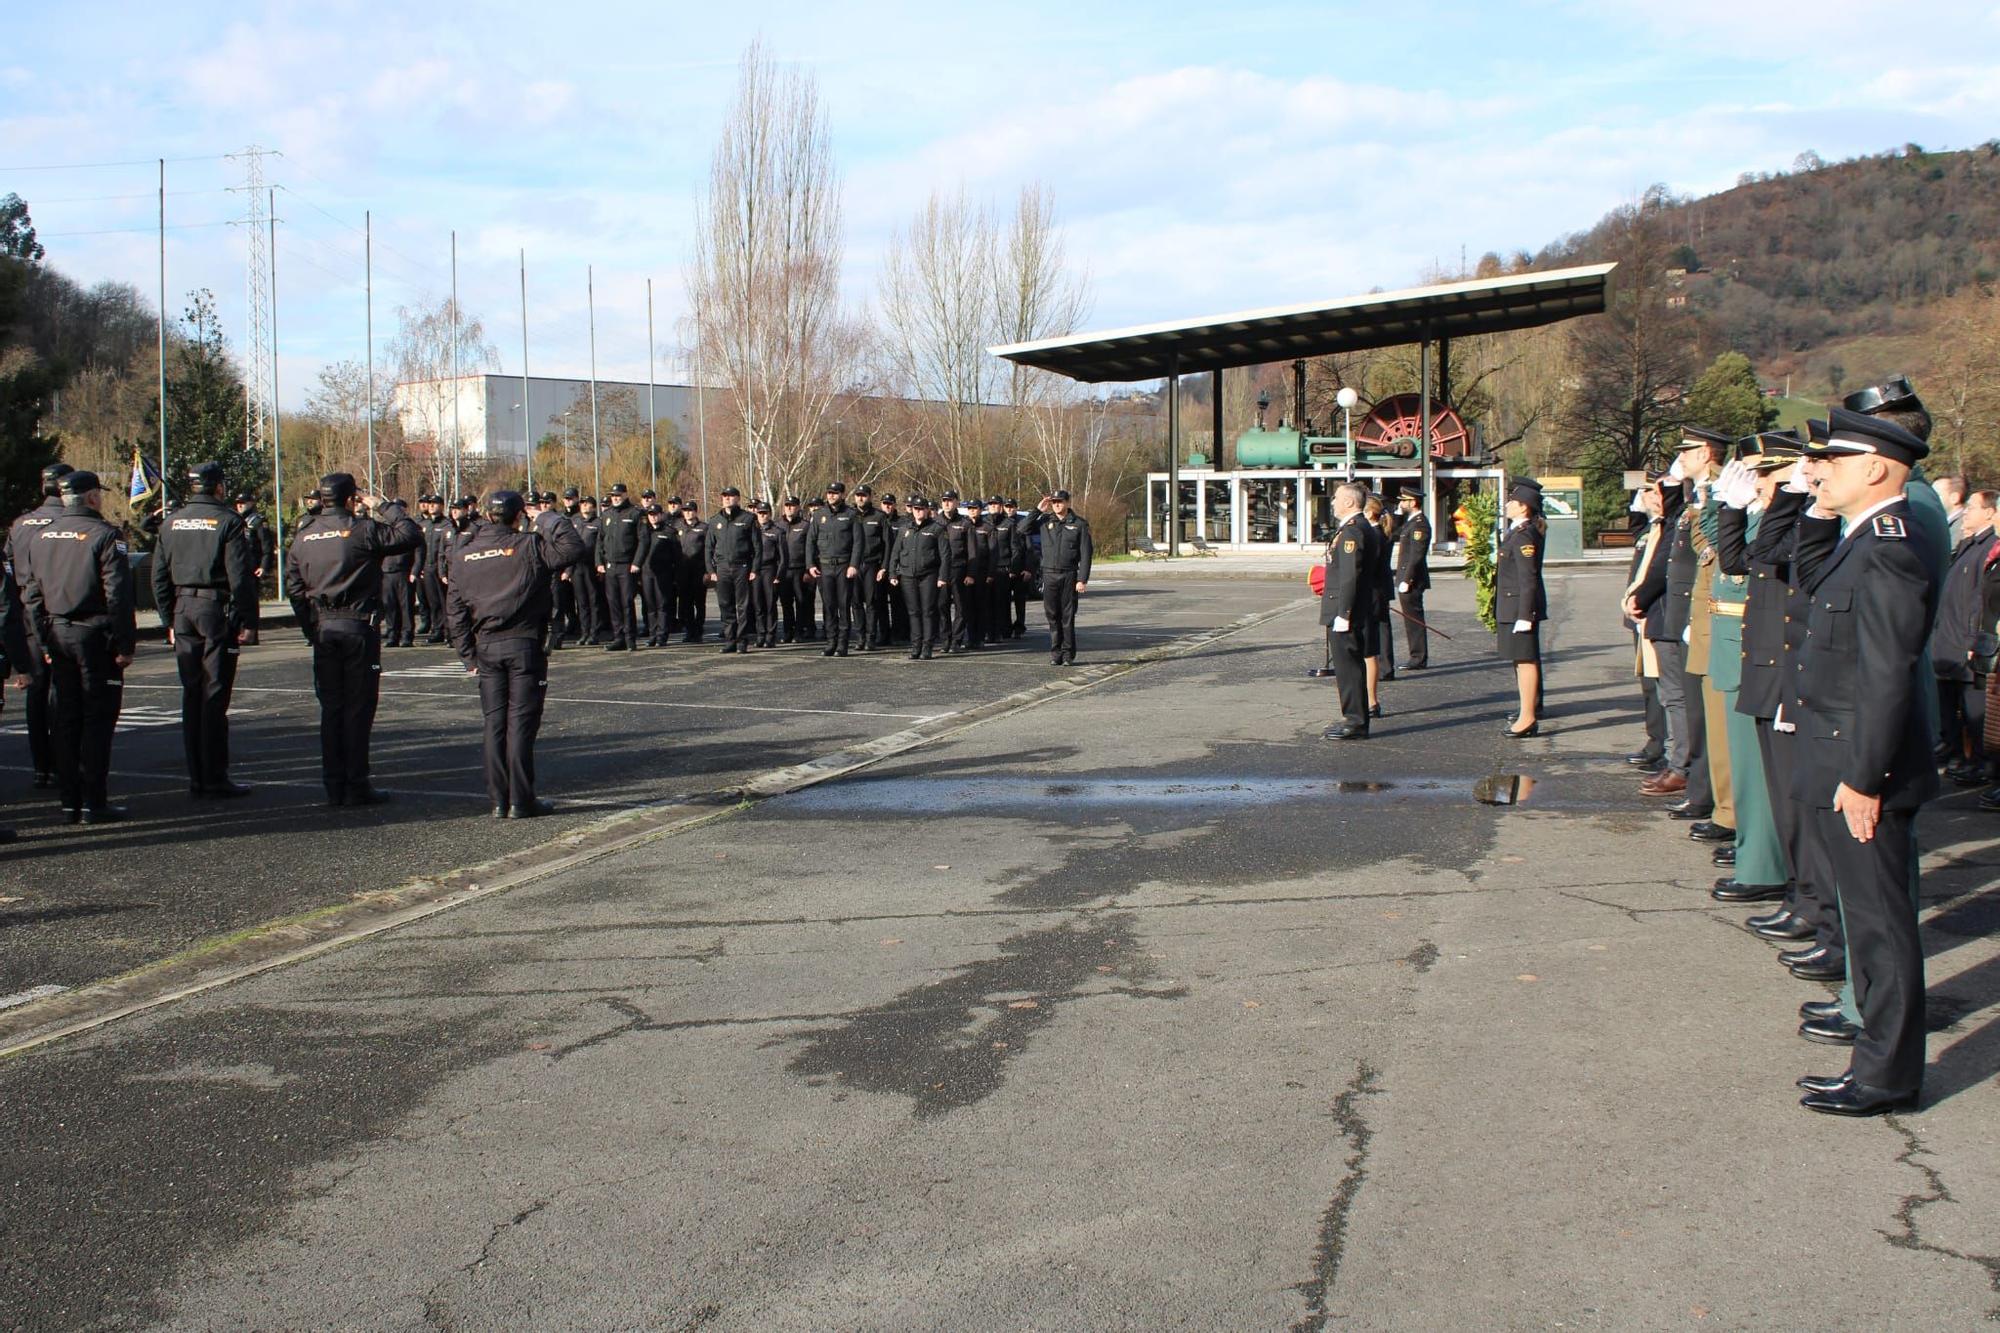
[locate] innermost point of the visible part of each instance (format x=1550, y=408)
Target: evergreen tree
x=206, y=413
x=27, y=382
x=1726, y=398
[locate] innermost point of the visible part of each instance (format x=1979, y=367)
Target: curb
x=294, y=939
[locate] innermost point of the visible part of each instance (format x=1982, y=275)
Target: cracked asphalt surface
x=1142, y=1008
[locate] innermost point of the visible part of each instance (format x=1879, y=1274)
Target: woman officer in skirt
x=1520, y=603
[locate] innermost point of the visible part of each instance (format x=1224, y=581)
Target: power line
x=120, y=231
x=135, y=162
x=107, y=198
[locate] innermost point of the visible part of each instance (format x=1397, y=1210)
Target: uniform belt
x=1727, y=609
x=201, y=591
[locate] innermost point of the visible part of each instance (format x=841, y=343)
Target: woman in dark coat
x=1520, y=602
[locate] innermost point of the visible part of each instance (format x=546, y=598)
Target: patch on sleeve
x=1889, y=527
x=1527, y=550
x=1348, y=546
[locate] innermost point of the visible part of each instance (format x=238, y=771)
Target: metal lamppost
x=1347, y=398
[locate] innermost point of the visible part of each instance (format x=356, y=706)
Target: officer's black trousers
x=920, y=604
x=899, y=616
x=38, y=709
x=621, y=585
x=872, y=626
x=1023, y=585
x=589, y=603
x=431, y=588
x=691, y=603
x=564, y=625
x=1700, y=789
x=347, y=677
x=1350, y=673
x=399, y=607
x=1059, y=605
x=998, y=610
x=1415, y=639
x=205, y=653
x=836, y=593
x=1885, y=956
x=795, y=601
x=964, y=614
x=1656, y=720
x=1809, y=895
x=659, y=587
x=764, y=604
x=89, y=690
x=513, y=682
x=732, y=603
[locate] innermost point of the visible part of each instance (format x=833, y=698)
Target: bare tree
x=765, y=272
x=938, y=303
x=422, y=355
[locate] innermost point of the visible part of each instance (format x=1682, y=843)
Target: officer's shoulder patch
x=1527, y=550
x=1889, y=527
x=1348, y=546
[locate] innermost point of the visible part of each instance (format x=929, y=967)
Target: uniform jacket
x=404, y=562
x=203, y=545
x=438, y=532
x=1354, y=560
x=923, y=550
x=334, y=569
x=1865, y=721
x=500, y=581
x=875, y=535
x=661, y=547
x=1413, y=553
x=985, y=551
x=772, y=562
x=1959, y=609
x=587, y=527
x=1066, y=548
x=1670, y=615
x=957, y=527
x=793, y=532
x=833, y=539
x=733, y=541
x=20, y=552
x=692, y=538
x=621, y=533
x=263, y=539
x=1518, y=593
x=79, y=575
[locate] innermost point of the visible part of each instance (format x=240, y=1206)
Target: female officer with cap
x=1521, y=603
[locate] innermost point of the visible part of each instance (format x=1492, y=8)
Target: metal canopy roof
x=1285, y=333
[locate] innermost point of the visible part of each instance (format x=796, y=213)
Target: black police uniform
x=591, y=617
x=772, y=571
x=14, y=650
x=662, y=551
x=1667, y=631
x=204, y=588
x=1413, y=580
x=79, y=599
x=898, y=606
x=36, y=708
x=1519, y=594
x=1028, y=537
x=499, y=608
x=1066, y=556
x=999, y=546
x=795, y=593
x=871, y=583
x=733, y=549
x=922, y=568
x=1349, y=596
x=264, y=559
x=690, y=578
x=399, y=602
x=333, y=576
x=621, y=532
x=957, y=611
x=833, y=545
x=438, y=532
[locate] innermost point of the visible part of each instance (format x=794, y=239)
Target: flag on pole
x=145, y=479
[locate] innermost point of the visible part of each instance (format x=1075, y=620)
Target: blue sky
x=1203, y=157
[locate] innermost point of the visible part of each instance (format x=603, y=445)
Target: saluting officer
x=921, y=567
x=621, y=533
x=1521, y=602
x=731, y=556
x=499, y=610
x=205, y=592
x=1346, y=605
x=35, y=708
x=833, y=544
x=79, y=599
x=1066, y=555
x=334, y=579
x=263, y=551
x=1413, y=578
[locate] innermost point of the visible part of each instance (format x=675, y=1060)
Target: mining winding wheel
x=1392, y=427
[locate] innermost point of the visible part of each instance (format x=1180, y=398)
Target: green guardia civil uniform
x=1760, y=856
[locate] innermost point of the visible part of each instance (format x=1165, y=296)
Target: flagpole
x=163, y=335
x=277, y=427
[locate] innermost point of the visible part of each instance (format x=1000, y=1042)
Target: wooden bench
x=1617, y=540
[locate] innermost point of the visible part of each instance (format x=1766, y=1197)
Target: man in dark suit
x=1413, y=577
x=1645, y=585
x=1866, y=736
x=1346, y=607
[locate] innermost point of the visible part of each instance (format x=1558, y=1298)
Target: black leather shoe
x=226, y=790
x=1642, y=760
x=1344, y=733
x=1834, y=1031
x=916, y=654
x=828, y=651
x=72, y=816
x=1825, y=1082
x=533, y=810
x=1375, y=710
x=1818, y=953
x=104, y=814
x=1990, y=799
x=840, y=652
x=1858, y=1099
x=1771, y=918
x=1814, y=1010
x=336, y=796
x=615, y=646
x=928, y=655
x=499, y=812
x=1532, y=729
x=726, y=648
x=1724, y=856
x=1729, y=891
x=365, y=796
x=1387, y=675
x=8, y=835
x=1683, y=812
x=1708, y=831
x=1831, y=969
x=1791, y=928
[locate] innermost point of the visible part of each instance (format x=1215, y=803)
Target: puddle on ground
x=927, y=795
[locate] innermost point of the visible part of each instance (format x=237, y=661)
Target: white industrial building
x=492, y=422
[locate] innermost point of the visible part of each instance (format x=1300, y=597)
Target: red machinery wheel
x=1392, y=427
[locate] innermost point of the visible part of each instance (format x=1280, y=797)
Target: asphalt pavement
x=1137, y=1006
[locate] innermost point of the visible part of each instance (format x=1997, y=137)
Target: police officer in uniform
x=977, y=576
x=1866, y=739
x=1066, y=555
x=1521, y=603
x=691, y=573
x=871, y=582
x=620, y=535
x=399, y=602
x=263, y=550
x=661, y=554
x=833, y=545
x=731, y=556
x=205, y=593
x=795, y=592
x=79, y=599
x=334, y=580
x=499, y=611
x=1346, y=604
x=1413, y=578
x=921, y=569
x=771, y=574
x=438, y=531
x=36, y=708
x=14, y=651
x=955, y=612
x=892, y=604
x=590, y=607
x=1005, y=563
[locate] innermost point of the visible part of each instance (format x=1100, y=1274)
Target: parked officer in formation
x=691, y=573
x=1027, y=534
x=591, y=614
x=620, y=555
x=663, y=550
x=263, y=550
x=1066, y=555
x=734, y=549
x=400, y=573
x=333, y=576
x=206, y=595
x=1346, y=606
x=499, y=612
x=771, y=574
x=1412, y=561
x=957, y=611
x=921, y=569
x=78, y=596
x=796, y=591
x=833, y=550
x=37, y=708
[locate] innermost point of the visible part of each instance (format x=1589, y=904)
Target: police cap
x=336, y=488
x=836, y=488
x=1850, y=433
x=618, y=488
x=863, y=489
x=206, y=476
x=1892, y=392
x=52, y=476
x=949, y=495
x=464, y=502
x=250, y=497
x=1059, y=495
x=918, y=502
x=505, y=506
x=994, y=500
x=570, y=493
x=77, y=484
x=1694, y=437
x=730, y=490
x=888, y=497
x=792, y=500
x=761, y=507
x=648, y=494
x=1529, y=491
